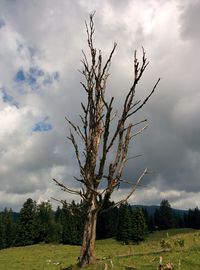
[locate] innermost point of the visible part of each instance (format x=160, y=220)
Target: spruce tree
x=196, y=218
x=125, y=224
x=157, y=218
x=69, y=232
x=45, y=220
x=7, y=229
x=139, y=226
x=2, y=232
x=27, y=225
x=166, y=217
x=107, y=222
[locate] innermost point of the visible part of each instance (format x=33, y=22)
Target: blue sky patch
x=8, y=98
x=42, y=126
x=20, y=76
x=35, y=77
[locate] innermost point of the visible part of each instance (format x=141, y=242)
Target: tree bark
x=89, y=237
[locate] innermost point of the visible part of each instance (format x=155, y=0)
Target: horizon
x=54, y=207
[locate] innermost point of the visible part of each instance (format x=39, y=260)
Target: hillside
x=144, y=256
x=152, y=208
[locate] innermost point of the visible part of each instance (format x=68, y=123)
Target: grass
x=143, y=256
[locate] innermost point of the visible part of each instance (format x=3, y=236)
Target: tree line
x=36, y=223
x=166, y=218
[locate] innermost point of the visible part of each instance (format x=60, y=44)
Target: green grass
x=143, y=256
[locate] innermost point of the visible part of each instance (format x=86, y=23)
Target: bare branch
x=107, y=65
x=139, y=131
x=76, y=129
x=146, y=99
x=65, y=188
x=76, y=152
x=124, y=152
x=127, y=159
x=79, y=180
x=133, y=189
x=130, y=183
x=61, y=201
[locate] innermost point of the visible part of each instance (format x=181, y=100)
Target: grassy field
x=182, y=247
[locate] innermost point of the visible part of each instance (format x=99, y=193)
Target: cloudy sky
x=40, y=52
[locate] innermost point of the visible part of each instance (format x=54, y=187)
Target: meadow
x=181, y=247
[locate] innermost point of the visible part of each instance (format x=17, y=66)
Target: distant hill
x=152, y=208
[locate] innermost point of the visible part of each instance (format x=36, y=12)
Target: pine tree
x=107, y=222
x=27, y=225
x=166, y=217
x=125, y=224
x=148, y=219
x=139, y=226
x=69, y=232
x=44, y=217
x=2, y=232
x=7, y=229
x=196, y=218
x=192, y=218
x=58, y=214
x=157, y=218
x=79, y=212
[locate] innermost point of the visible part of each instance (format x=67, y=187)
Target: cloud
x=2, y=23
x=153, y=196
x=40, y=55
x=190, y=21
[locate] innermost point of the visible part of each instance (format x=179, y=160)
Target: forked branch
x=101, y=140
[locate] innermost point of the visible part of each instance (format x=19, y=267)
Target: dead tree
x=99, y=139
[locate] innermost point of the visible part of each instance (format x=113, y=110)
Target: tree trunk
x=89, y=237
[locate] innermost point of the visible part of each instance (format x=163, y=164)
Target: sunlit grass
x=37, y=257
x=144, y=256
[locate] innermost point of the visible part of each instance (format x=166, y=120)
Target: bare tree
x=99, y=139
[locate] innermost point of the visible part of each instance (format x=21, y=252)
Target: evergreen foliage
x=27, y=225
x=7, y=229
x=39, y=223
x=132, y=226
x=139, y=225
x=164, y=216
x=125, y=224
x=72, y=217
x=49, y=230
x=107, y=222
x=192, y=218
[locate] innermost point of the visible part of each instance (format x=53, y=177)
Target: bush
x=179, y=243
x=165, y=243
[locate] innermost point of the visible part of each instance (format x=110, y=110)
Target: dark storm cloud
x=190, y=20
